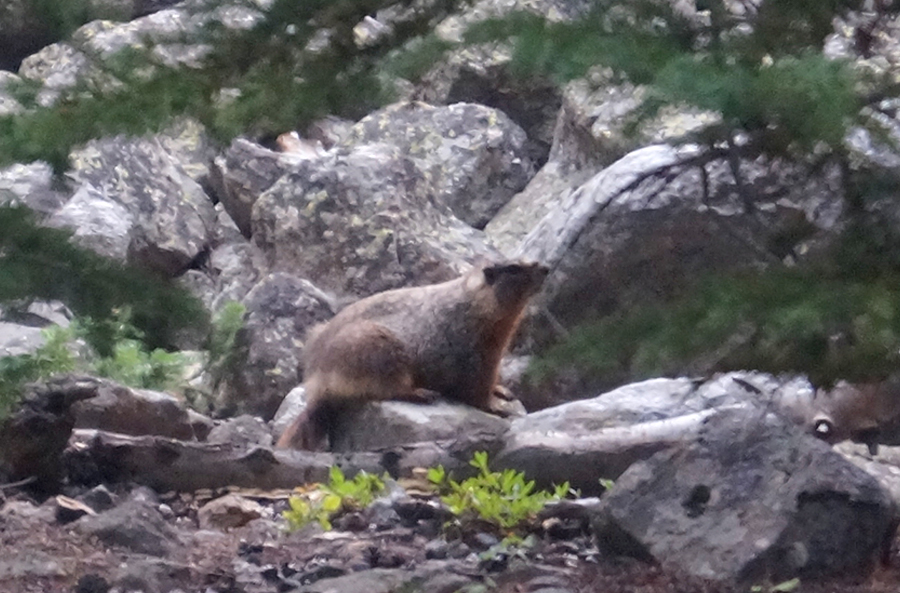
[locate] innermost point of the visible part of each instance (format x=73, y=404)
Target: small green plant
x=222, y=340
x=54, y=356
x=131, y=364
x=783, y=587
x=338, y=496
x=129, y=360
x=504, y=499
x=68, y=349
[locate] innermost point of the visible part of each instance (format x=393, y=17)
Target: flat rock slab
x=391, y=423
x=752, y=498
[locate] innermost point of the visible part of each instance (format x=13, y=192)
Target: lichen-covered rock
x=98, y=223
x=57, y=67
x=360, y=221
x=280, y=309
x=170, y=36
x=752, y=498
x=8, y=104
x=639, y=228
x=480, y=74
x=30, y=185
x=589, y=135
x=473, y=156
x=244, y=172
x=187, y=141
x=174, y=218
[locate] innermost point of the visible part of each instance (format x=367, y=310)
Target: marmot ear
x=491, y=273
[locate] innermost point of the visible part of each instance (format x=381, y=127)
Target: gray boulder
x=17, y=339
x=244, y=172
x=241, y=431
x=30, y=185
x=8, y=104
x=588, y=135
x=174, y=218
x=601, y=437
x=98, y=223
x=116, y=408
x=752, y=498
x=56, y=67
x=280, y=309
x=362, y=220
x=402, y=423
x=635, y=231
x=446, y=424
x=134, y=525
x=473, y=156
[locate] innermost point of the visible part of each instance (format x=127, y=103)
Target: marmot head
x=514, y=282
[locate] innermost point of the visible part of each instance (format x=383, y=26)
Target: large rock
x=244, y=172
x=174, y=218
x=233, y=269
x=280, y=309
x=98, y=223
x=116, y=408
x=402, y=423
x=30, y=185
x=170, y=36
x=451, y=430
x=362, y=220
x=884, y=467
x=25, y=26
x=637, y=230
x=751, y=498
x=135, y=525
x=56, y=67
x=473, y=156
x=589, y=135
x=603, y=436
x=17, y=339
x=32, y=439
x=9, y=105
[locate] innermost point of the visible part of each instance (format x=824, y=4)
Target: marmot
x=866, y=413
x=414, y=344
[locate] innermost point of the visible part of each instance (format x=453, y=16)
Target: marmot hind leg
x=504, y=403
x=365, y=361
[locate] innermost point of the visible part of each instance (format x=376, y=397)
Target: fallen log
x=166, y=464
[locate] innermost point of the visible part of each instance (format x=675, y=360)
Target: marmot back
x=415, y=343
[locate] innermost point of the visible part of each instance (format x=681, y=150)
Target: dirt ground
x=38, y=554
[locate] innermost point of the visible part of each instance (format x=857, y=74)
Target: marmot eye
x=823, y=429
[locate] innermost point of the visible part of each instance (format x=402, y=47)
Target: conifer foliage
x=760, y=66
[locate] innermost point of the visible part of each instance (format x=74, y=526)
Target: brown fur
x=858, y=411
x=414, y=343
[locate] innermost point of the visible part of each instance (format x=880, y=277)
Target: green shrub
x=329, y=500
x=781, y=320
x=65, y=350
x=221, y=345
x=54, y=356
x=502, y=499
